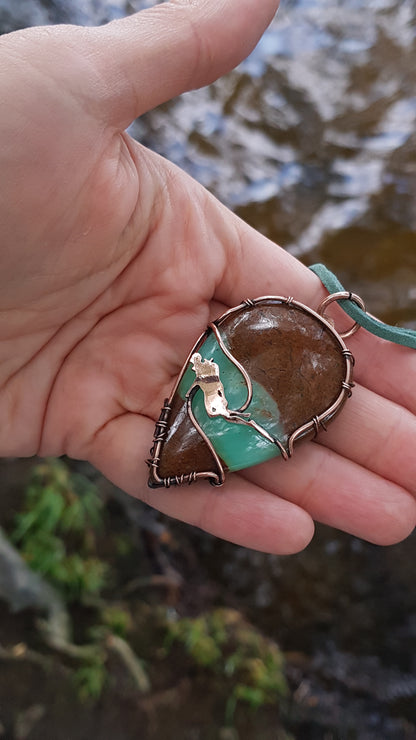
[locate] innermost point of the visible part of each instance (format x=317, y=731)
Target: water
x=312, y=140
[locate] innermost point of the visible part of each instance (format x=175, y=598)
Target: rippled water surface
x=313, y=141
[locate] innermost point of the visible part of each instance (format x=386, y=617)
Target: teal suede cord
x=405, y=337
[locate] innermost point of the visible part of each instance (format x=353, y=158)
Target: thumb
x=160, y=52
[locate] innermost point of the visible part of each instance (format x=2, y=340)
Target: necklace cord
x=396, y=334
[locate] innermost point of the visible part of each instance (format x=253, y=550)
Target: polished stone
x=297, y=368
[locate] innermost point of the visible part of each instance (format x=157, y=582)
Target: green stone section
x=238, y=445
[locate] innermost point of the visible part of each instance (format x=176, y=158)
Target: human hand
x=113, y=261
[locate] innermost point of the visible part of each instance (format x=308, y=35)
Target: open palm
x=113, y=261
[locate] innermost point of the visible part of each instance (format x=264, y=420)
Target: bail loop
x=346, y=295
x=397, y=334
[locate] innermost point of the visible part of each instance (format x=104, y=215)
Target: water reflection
x=313, y=141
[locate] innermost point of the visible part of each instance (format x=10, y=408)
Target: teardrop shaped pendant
x=264, y=375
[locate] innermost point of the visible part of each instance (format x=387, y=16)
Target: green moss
x=56, y=531
x=225, y=644
x=90, y=679
x=117, y=620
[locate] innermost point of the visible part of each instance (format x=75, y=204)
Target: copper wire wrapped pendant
x=262, y=376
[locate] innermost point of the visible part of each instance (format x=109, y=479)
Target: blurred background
x=129, y=625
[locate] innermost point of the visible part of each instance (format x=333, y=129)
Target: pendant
x=263, y=375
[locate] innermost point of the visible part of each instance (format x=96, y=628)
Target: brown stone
x=290, y=352
x=184, y=450
x=293, y=355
